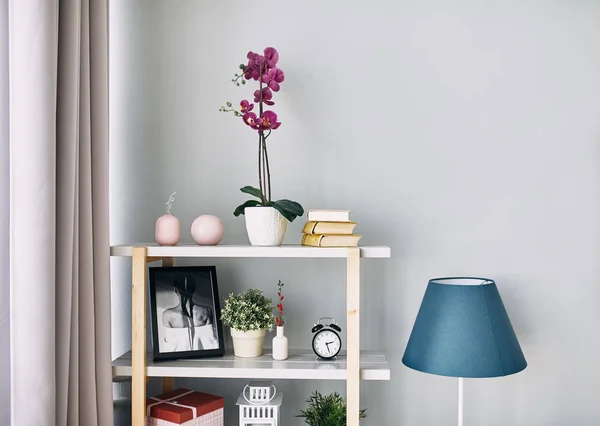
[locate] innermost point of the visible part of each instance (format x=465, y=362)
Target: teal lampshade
x=462, y=330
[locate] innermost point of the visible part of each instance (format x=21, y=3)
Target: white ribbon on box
x=173, y=401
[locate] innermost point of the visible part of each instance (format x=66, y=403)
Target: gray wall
x=465, y=136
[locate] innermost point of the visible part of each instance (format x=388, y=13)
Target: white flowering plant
x=248, y=311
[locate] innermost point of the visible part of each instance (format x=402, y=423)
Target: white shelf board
x=299, y=365
x=298, y=251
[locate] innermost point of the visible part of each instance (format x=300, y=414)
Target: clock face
x=327, y=344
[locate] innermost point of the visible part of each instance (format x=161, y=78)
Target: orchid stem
x=261, y=138
x=260, y=160
x=264, y=167
x=266, y=158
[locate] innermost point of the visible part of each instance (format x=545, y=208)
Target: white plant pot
x=248, y=344
x=280, y=345
x=265, y=226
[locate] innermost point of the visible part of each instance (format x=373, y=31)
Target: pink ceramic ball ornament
x=167, y=231
x=207, y=230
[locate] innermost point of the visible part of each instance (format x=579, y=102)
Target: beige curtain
x=59, y=246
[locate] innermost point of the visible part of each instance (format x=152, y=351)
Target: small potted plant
x=326, y=410
x=280, y=342
x=249, y=315
x=266, y=219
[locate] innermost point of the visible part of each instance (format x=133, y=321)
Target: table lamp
x=462, y=330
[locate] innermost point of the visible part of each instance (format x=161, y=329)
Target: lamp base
x=460, y=401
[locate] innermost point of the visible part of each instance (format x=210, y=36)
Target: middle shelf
x=299, y=365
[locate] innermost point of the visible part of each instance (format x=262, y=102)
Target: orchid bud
x=229, y=104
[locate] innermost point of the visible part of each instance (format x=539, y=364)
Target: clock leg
x=353, y=336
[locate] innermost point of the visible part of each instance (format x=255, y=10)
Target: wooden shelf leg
x=353, y=336
x=139, y=268
x=168, y=384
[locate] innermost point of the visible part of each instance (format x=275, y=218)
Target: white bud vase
x=280, y=345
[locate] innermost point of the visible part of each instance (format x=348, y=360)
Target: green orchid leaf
x=252, y=191
x=291, y=206
x=286, y=213
x=250, y=203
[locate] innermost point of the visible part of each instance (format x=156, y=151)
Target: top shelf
x=298, y=251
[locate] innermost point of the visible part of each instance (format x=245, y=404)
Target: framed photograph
x=186, y=314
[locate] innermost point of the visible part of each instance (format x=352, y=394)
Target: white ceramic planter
x=248, y=344
x=280, y=345
x=265, y=226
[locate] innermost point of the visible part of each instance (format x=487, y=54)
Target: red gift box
x=182, y=405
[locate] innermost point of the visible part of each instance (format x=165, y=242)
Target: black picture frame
x=181, y=298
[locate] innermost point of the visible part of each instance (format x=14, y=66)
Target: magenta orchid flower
x=252, y=70
x=268, y=121
x=252, y=73
x=267, y=95
x=271, y=57
x=246, y=106
x=251, y=120
x=273, y=77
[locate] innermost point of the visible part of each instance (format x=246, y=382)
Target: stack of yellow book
x=329, y=228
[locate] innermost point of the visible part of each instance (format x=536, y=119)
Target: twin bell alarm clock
x=326, y=342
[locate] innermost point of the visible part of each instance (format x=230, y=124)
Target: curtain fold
x=59, y=246
x=32, y=73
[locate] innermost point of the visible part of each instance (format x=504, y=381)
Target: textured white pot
x=265, y=226
x=280, y=345
x=248, y=344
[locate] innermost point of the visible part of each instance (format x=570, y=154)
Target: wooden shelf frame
x=142, y=254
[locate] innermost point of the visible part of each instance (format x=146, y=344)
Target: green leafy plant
x=326, y=410
x=248, y=311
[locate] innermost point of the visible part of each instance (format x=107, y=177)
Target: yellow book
x=320, y=227
x=320, y=240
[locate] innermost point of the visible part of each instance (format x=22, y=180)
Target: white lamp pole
x=460, y=401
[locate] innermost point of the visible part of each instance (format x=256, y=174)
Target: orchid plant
x=262, y=69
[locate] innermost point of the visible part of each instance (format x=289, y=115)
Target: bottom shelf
x=299, y=365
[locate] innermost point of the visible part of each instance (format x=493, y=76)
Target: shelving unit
x=352, y=367
x=301, y=365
